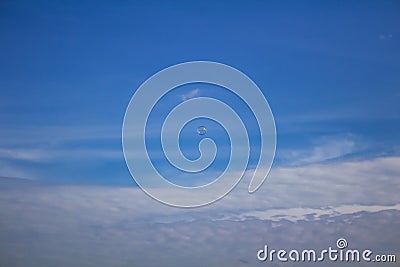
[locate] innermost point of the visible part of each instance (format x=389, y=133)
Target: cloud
x=325, y=148
x=308, y=214
x=9, y=170
x=45, y=155
x=340, y=184
x=22, y=154
x=23, y=149
x=32, y=135
x=386, y=36
x=308, y=206
x=317, y=121
x=190, y=94
x=95, y=226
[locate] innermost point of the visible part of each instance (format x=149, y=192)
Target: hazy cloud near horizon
x=308, y=206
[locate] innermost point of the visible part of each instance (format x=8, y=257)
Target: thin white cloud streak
x=386, y=36
x=9, y=170
x=48, y=143
x=322, y=149
x=22, y=154
x=11, y=159
x=342, y=113
x=190, y=94
x=56, y=134
x=307, y=214
x=47, y=155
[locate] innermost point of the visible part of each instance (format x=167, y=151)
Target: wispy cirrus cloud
x=322, y=149
x=29, y=135
x=10, y=170
x=387, y=36
x=24, y=150
x=190, y=94
x=55, y=154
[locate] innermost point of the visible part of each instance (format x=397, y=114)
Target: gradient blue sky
x=329, y=69
x=67, y=71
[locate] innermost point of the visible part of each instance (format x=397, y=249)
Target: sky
x=328, y=69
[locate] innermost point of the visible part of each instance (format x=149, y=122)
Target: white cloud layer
x=309, y=206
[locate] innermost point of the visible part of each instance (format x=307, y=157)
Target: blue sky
x=329, y=70
x=68, y=70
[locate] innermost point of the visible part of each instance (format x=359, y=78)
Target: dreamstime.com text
x=339, y=254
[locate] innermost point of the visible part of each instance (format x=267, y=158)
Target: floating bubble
x=201, y=130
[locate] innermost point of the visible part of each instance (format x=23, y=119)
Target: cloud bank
x=310, y=206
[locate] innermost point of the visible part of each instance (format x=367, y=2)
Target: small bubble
x=201, y=130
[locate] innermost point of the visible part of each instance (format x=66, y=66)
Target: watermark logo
x=340, y=253
x=152, y=90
